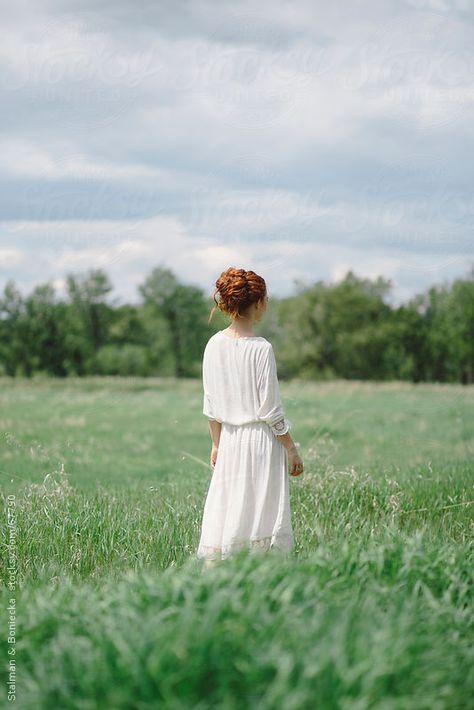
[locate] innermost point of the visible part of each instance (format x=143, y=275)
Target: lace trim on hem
x=265, y=543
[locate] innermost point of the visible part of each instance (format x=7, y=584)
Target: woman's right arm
x=294, y=459
x=271, y=409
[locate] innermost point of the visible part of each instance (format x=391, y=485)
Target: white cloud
x=298, y=140
x=128, y=251
x=216, y=258
x=11, y=258
x=22, y=158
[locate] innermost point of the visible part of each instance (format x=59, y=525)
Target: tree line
x=345, y=329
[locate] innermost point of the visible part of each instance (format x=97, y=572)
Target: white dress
x=248, y=500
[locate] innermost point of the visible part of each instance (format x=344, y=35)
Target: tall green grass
x=373, y=609
x=120, y=431
x=356, y=624
x=108, y=530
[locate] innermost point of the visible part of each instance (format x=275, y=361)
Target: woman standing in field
x=248, y=501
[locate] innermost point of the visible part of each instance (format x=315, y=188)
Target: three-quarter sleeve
x=270, y=408
x=206, y=381
x=207, y=409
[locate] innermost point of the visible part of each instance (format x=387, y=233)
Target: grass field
x=373, y=610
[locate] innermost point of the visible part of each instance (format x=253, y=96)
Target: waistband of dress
x=253, y=423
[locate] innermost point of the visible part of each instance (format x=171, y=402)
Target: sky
x=297, y=139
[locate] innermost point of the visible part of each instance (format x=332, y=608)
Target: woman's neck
x=243, y=328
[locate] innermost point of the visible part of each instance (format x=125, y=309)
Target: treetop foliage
x=346, y=329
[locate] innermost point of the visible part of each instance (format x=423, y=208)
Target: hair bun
x=238, y=289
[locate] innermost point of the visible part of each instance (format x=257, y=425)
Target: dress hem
x=280, y=541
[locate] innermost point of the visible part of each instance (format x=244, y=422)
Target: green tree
x=14, y=341
x=184, y=310
x=89, y=317
x=449, y=317
x=45, y=317
x=462, y=327
x=336, y=328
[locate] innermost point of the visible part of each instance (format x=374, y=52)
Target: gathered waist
x=250, y=424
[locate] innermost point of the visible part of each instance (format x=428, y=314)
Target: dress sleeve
x=270, y=408
x=206, y=403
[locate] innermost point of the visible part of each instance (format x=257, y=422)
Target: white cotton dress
x=248, y=500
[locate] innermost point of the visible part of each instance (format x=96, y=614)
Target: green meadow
x=108, y=477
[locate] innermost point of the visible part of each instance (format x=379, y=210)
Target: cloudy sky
x=299, y=139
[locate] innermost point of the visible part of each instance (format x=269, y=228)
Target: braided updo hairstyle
x=237, y=290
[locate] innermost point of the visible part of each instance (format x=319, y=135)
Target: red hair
x=237, y=289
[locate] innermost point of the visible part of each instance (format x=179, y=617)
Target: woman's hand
x=295, y=462
x=214, y=451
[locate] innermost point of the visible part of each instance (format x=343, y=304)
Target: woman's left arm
x=215, y=431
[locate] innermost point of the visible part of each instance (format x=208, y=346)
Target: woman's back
x=240, y=381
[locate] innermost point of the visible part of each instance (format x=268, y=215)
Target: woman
x=248, y=501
